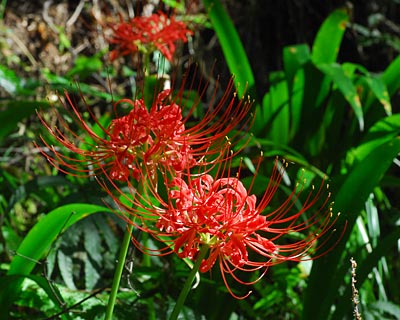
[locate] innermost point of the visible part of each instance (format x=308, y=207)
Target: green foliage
x=333, y=118
x=337, y=117
x=235, y=55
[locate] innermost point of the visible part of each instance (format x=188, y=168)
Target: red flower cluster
x=145, y=138
x=221, y=214
x=148, y=34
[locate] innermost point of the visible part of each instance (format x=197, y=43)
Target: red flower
x=148, y=34
x=144, y=139
x=221, y=214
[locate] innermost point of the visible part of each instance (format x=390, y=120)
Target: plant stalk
x=118, y=271
x=188, y=284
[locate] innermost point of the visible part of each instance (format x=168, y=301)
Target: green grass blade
x=391, y=76
x=380, y=91
x=9, y=282
x=365, y=175
x=294, y=57
x=385, y=245
x=276, y=109
x=381, y=132
x=232, y=47
x=346, y=86
x=39, y=240
x=329, y=37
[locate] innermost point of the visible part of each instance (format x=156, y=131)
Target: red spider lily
x=221, y=214
x=150, y=138
x=148, y=34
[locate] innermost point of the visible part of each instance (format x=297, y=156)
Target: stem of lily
x=118, y=271
x=188, y=284
x=123, y=251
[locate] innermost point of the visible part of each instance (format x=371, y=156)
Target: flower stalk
x=118, y=271
x=189, y=280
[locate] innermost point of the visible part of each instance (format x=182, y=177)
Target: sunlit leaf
x=276, y=109
x=294, y=58
x=349, y=199
x=329, y=37
x=232, y=47
x=380, y=91
x=391, y=76
x=346, y=86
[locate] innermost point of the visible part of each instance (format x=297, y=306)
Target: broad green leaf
x=364, y=268
x=329, y=37
x=387, y=307
x=8, y=282
x=109, y=236
x=38, y=241
x=350, y=198
x=276, y=109
x=381, y=132
x=91, y=275
x=317, y=87
x=296, y=102
x=380, y=91
x=232, y=47
x=92, y=241
x=391, y=76
x=66, y=269
x=12, y=112
x=351, y=68
x=294, y=58
x=375, y=83
x=346, y=86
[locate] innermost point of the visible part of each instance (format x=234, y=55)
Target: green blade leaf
x=329, y=37
x=391, y=76
x=379, y=89
x=346, y=86
x=365, y=266
x=358, y=184
x=232, y=47
x=66, y=269
x=276, y=109
x=294, y=57
x=91, y=275
x=8, y=283
x=381, y=132
x=39, y=240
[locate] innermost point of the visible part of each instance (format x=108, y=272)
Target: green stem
x=118, y=271
x=188, y=284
